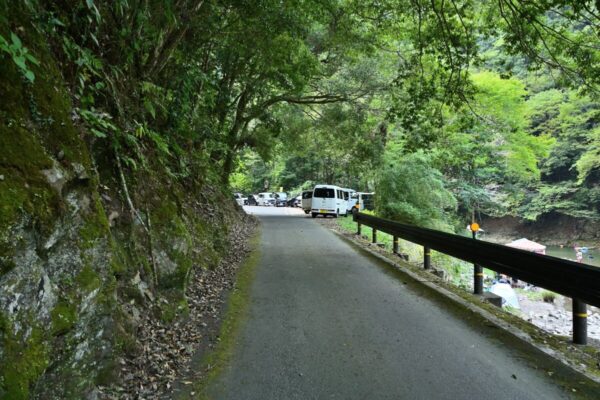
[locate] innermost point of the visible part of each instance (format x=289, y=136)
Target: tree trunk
x=227, y=166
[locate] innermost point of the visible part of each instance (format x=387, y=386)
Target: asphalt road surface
x=328, y=322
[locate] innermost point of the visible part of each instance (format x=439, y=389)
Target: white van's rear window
x=324, y=192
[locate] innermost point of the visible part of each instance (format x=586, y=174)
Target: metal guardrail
x=579, y=281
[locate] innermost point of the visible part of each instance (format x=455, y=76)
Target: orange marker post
x=477, y=269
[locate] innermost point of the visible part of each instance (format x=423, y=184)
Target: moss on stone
x=171, y=234
x=64, y=317
x=45, y=104
x=95, y=225
x=118, y=261
x=23, y=187
x=107, y=374
x=177, y=279
x=35, y=126
x=24, y=360
x=6, y=266
x=88, y=279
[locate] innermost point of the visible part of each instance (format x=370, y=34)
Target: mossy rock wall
x=71, y=250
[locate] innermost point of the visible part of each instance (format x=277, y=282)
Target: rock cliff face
x=549, y=229
x=81, y=237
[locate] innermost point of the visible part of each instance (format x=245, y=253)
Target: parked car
x=306, y=202
x=291, y=201
x=328, y=200
x=251, y=200
x=280, y=199
x=296, y=201
x=240, y=199
x=265, y=199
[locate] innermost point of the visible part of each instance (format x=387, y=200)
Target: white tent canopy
x=528, y=245
x=509, y=297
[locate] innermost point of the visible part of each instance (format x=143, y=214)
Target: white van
x=265, y=199
x=306, y=203
x=328, y=200
x=240, y=199
x=363, y=201
x=348, y=198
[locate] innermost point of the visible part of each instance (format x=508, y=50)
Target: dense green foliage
x=410, y=190
x=498, y=97
x=494, y=100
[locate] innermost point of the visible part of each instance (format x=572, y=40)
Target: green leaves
x=20, y=55
x=589, y=162
x=15, y=40
x=150, y=108
x=99, y=123
x=501, y=104
x=564, y=198
x=95, y=12
x=408, y=189
x=459, y=92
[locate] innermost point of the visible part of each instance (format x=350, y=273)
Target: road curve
x=327, y=322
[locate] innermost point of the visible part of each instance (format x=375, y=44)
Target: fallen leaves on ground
x=163, y=358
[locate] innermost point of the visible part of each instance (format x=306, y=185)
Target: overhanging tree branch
x=315, y=99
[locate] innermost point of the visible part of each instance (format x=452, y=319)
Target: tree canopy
x=497, y=99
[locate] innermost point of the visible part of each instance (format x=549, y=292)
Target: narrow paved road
x=327, y=322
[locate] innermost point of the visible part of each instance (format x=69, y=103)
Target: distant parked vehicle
x=265, y=199
x=348, y=193
x=364, y=201
x=306, y=202
x=293, y=201
x=280, y=199
x=240, y=199
x=328, y=200
x=252, y=200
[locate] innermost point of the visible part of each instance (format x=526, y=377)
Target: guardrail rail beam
x=578, y=281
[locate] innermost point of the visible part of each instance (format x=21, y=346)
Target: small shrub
x=548, y=297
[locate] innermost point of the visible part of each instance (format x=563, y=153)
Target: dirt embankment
x=551, y=229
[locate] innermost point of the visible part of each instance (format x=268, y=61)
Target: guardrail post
x=426, y=257
x=358, y=228
x=395, y=245
x=477, y=269
x=477, y=279
x=579, y=322
x=374, y=235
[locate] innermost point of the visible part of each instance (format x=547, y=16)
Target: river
x=592, y=257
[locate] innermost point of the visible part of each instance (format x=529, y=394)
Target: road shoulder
x=213, y=361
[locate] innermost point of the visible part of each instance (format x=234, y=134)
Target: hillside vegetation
x=459, y=109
